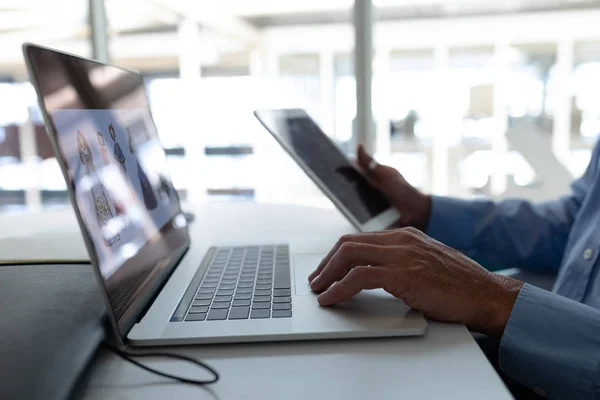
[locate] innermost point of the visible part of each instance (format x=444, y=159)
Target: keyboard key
x=262, y=292
x=282, y=292
x=242, y=296
x=243, y=290
x=226, y=287
x=247, y=280
x=195, y=317
x=217, y=315
x=260, y=314
x=227, y=299
x=239, y=313
x=207, y=290
x=228, y=292
x=267, y=281
x=196, y=310
x=211, y=283
x=262, y=299
x=282, y=306
x=263, y=287
x=282, y=314
x=218, y=306
x=282, y=299
x=204, y=296
x=241, y=303
x=246, y=284
x=228, y=281
x=202, y=302
x=261, y=306
x=282, y=281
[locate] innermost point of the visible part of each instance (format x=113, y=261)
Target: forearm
x=512, y=233
x=552, y=343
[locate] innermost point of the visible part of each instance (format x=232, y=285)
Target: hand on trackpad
x=304, y=265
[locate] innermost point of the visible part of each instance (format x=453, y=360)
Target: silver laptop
x=162, y=285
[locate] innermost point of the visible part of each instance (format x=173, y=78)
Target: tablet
x=340, y=180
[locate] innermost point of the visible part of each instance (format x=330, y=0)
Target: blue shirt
x=552, y=340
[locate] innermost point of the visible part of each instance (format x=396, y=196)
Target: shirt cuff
x=551, y=345
x=451, y=222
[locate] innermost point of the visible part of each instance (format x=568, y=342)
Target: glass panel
x=208, y=65
x=29, y=174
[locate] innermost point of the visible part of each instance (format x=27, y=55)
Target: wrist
x=421, y=220
x=504, y=293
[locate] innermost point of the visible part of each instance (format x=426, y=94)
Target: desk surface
x=446, y=362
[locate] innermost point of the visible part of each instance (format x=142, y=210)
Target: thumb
x=364, y=159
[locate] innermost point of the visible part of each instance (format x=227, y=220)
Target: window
x=29, y=173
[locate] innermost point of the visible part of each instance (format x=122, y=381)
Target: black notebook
x=51, y=326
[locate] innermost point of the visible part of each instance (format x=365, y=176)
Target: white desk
x=446, y=363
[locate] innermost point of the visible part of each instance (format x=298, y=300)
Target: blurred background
x=469, y=97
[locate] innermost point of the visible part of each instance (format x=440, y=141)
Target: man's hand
x=414, y=206
x=439, y=281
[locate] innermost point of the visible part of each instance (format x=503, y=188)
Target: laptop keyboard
x=250, y=282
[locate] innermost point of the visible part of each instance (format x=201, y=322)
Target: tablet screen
x=327, y=162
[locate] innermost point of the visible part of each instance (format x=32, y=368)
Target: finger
x=356, y=280
x=380, y=238
x=348, y=256
x=364, y=159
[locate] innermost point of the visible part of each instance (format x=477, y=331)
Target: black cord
x=128, y=356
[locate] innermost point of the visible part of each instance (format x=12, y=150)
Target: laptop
x=162, y=284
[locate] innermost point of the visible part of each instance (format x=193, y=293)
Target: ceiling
x=233, y=24
x=25, y=17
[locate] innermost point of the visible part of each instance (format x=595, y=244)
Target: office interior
x=466, y=98
x=469, y=98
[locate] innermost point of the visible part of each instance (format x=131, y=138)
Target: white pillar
x=498, y=180
x=190, y=60
x=440, y=151
x=190, y=63
x=383, y=139
x=561, y=139
x=99, y=30
x=28, y=150
x=363, y=54
x=327, y=85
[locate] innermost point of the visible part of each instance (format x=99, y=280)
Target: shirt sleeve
x=551, y=344
x=511, y=233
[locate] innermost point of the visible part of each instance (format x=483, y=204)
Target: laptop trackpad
x=304, y=265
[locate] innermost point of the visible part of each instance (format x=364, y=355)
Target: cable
x=128, y=356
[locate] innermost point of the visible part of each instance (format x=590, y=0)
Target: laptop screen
x=115, y=168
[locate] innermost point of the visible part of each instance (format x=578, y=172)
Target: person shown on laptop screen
x=117, y=167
